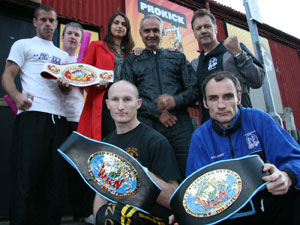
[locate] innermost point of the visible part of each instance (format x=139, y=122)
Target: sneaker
x=89, y=219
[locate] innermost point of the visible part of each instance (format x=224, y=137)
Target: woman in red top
x=95, y=121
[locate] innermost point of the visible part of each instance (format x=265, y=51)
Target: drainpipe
x=206, y=4
x=257, y=48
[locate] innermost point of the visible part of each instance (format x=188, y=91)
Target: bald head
x=123, y=104
x=123, y=84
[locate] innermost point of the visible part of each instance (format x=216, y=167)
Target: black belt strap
x=110, y=171
x=218, y=191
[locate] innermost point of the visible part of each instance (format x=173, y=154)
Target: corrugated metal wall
x=287, y=66
x=222, y=33
x=93, y=12
x=286, y=59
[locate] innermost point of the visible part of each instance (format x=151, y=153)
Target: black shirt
x=153, y=151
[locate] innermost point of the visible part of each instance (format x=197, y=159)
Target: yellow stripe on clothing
x=155, y=220
x=128, y=215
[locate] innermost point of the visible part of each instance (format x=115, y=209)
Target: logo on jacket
x=212, y=63
x=252, y=140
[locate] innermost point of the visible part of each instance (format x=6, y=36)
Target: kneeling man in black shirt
x=149, y=147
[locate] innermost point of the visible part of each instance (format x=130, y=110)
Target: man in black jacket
x=167, y=85
x=228, y=55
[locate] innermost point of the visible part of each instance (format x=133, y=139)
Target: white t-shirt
x=30, y=55
x=74, y=100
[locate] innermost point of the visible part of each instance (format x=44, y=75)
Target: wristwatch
x=237, y=55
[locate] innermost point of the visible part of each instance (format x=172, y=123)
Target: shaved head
x=123, y=83
x=123, y=104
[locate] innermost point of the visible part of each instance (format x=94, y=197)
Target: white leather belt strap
x=77, y=74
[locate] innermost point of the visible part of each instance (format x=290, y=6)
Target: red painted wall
x=287, y=66
x=222, y=33
x=286, y=59
x=93, y=12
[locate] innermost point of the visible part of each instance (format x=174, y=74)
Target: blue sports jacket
x=252, y=131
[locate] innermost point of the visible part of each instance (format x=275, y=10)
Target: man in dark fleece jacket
x=228, y=55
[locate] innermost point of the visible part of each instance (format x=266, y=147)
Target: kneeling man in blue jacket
x=234, y=132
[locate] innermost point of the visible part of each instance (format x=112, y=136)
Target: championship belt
x=218, y=191
x=77, y=74
x=110, y=171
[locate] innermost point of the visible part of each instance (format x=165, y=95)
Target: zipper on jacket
x=224, y=132
x=231, y=148
x=230, y=144
x=157, y=72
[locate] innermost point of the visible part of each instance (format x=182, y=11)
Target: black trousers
x=272, y=210
x=80, y=194
x=38, y=171
x=121, y=214
x=179, y=136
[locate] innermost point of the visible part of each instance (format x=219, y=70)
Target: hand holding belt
x=77, y=74
x=110, y=171
x=218, y=191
